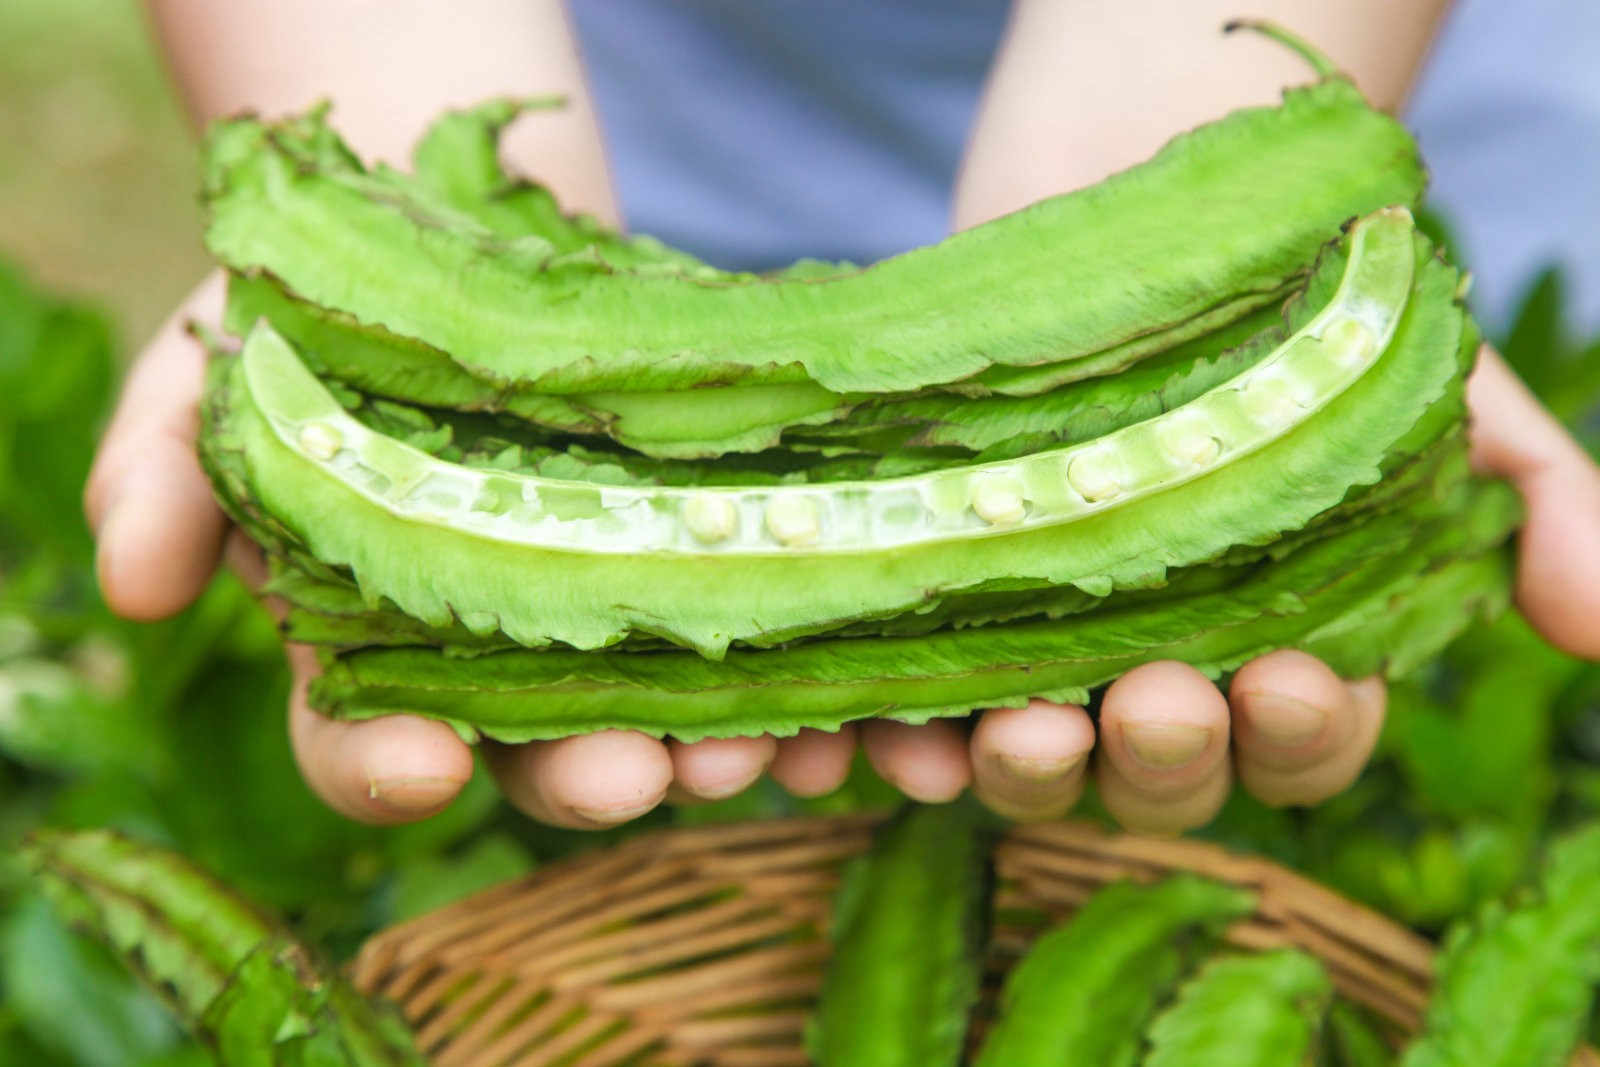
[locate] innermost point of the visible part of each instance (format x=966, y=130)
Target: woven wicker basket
x=703, y=946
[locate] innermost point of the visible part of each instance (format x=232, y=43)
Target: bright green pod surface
x=1379, y=599
x=544, y=560
x=699, y=423
x=458, y=159
x=1515, y=987
x=329, y=611
x=457, y=162
x=1084, y=991
x=251, y=992
x=1079, y=412
x=377, y=362
x=908, y=933
x=674, y=424
x=1045, y=285
x=1244, y=1011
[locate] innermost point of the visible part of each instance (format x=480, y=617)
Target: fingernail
x=610, y=816
x=1286, y=721
x=413, y=796
x=1165, y=744
x=1037, y=768
x=721, y=790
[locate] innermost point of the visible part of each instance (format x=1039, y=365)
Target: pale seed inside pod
x=711, y=518
x=320, y=440
x=1351, y=341
x=1269, y=402
x=1092, y=475
x=793, y=520
x=1190, y=441
x=998, y=501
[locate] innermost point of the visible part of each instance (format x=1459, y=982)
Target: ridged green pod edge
x=1263, y=1010
x=246, y=988
x=1085, y=990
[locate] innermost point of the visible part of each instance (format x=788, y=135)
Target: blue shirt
x=755, y=132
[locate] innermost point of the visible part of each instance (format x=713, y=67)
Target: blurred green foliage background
x=174, y=732
x=97, y=190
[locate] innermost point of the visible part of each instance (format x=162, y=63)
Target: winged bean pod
x=252, y=992
x=908, y=932
x=1084, y=991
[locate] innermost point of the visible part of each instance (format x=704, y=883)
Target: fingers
x=586, y=782
x=1162, y=765
x=927, y=763
x=392, y=770
x=1558, y=562
x=158, y=530
x=1028, y=763
x=720, y=767
x=1302, y=734
x=814, y=763
x=247, y=560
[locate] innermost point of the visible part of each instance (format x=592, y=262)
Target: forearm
x=1081, y=90
x=391, y=65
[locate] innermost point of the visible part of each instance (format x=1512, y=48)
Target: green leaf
x=52, y=718
x=1464, y=755
x=72, y=997
x=1537, y=345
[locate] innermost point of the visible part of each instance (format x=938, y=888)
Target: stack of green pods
x=534, y=478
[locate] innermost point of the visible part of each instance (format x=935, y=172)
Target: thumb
x=158, y=530
x=1558, y=564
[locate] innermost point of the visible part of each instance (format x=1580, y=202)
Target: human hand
x=1170, y=744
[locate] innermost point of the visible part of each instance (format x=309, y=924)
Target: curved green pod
x=1044, y=286
x=1077, y=412
x=673, y=424
x=701, y=423
x=908, y=933
x=543, y=560
x=1380, y=599
x=328, y=610
x=779, y=417
x=1085, y=989
x=252, y=993
x=456, y=167
x=1244, y=1011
